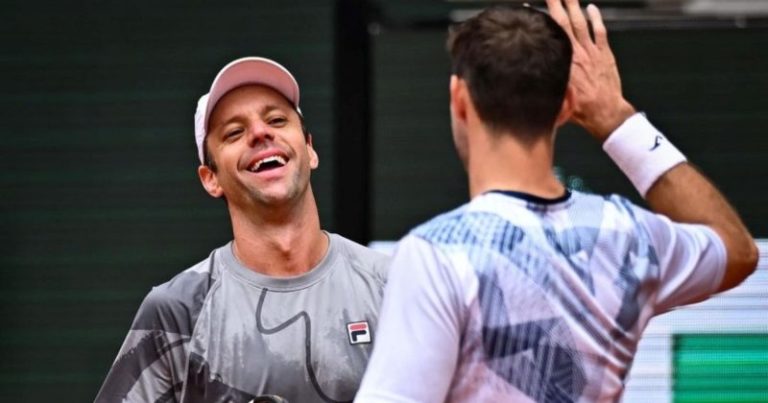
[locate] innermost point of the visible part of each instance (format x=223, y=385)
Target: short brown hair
x=516, y=62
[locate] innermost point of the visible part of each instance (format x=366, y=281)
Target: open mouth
x=268, y=163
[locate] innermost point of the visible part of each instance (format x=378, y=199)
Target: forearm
x=684, y=195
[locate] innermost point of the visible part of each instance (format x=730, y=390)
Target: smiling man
x=284, y=309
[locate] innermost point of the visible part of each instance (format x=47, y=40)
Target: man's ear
x=459, y=98
x=210, y=181
x=314, y=159
x=566, y=109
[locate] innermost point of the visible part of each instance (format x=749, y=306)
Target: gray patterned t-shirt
x=219, y=332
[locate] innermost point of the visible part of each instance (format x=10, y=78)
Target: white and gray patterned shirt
x=517, y=298
x=219, y=332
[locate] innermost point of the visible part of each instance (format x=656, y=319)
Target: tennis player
x=532, y=292
x=285, y=308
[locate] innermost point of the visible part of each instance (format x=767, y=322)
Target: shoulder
x=444, y=227
x=607, y=212
x=624, y=207
x=473, y=224
x=174, y=305
x=622, y=214
x=620, y=202
x=361, y=258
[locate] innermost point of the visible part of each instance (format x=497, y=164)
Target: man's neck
x=501, y=162
x=287, y=243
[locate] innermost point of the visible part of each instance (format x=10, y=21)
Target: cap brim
x=252, y=70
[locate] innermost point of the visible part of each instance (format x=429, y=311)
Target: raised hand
x=598, y=103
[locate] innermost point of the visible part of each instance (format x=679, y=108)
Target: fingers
x=598, y=27
x=578, y=22
x=557, y=12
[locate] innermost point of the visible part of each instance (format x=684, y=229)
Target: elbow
x=742, y=262
x=747, y=259
x=751, y=258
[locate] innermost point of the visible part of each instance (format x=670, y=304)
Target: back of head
x=516, y=62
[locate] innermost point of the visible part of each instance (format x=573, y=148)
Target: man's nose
x=259, y=132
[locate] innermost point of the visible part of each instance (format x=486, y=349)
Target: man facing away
x=532, y=292
x=285, y=308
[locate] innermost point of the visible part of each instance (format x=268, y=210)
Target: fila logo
x=656, y=142
x=358, y=332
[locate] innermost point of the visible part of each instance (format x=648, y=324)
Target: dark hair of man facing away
x=516, y=62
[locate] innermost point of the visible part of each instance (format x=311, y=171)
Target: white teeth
x=273, y=158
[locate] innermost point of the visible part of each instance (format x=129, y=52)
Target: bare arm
x=682, y=193
x=685, y=195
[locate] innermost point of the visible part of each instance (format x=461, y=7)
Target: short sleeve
x=692, y=260
x=144, y=369
x=417, y=342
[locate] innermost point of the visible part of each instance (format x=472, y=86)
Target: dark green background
x=707, y=89
x=100, y=198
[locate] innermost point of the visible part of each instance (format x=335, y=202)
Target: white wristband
x=641, y=152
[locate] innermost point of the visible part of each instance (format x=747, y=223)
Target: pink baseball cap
x=244, y=71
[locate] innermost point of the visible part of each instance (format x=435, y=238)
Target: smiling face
x=261, y=155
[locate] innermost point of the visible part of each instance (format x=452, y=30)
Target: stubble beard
x=293, y=190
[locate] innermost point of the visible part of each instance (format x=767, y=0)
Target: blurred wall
x=100, y=198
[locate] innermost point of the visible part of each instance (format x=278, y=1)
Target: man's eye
x=278, y=121
x=233, y=133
